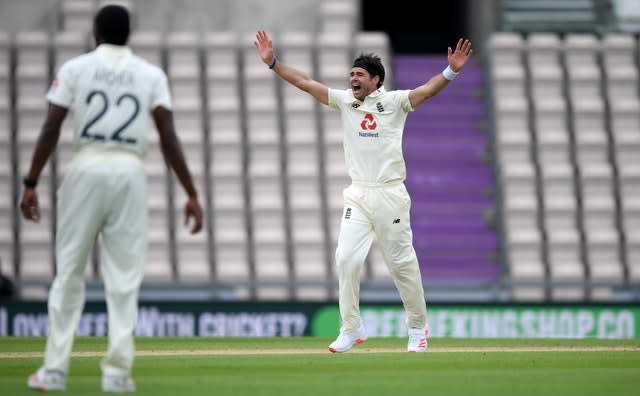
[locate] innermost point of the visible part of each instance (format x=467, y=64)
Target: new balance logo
x=396, y=221
x=347, y=213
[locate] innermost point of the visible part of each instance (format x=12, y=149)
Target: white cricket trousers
x=106, y=196
x=380, y=211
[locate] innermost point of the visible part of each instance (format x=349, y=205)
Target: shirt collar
x=377, y=92
x=114, y=50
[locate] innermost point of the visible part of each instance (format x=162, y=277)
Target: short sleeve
x=161, y=96
x=402, y=100
x=336, y=97
x=62, y=87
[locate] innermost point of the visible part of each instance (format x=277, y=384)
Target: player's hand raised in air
x=459, y=57
x=264, y=44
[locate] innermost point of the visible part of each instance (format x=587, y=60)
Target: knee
x=348, y=263
x=402, y=260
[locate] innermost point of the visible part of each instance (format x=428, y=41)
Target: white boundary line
x=307, y=351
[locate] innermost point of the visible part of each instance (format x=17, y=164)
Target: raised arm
x=293, y=76
x=172, y=152
x=457, y=59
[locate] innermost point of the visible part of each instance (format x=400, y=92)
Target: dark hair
x=112, y=24
x=371, y=63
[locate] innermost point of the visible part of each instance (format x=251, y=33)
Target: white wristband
x=449, y=74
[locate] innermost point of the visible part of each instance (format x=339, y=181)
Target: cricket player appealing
x=113, y=95
x=376, y=203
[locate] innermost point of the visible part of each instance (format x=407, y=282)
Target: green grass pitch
x=302, y=366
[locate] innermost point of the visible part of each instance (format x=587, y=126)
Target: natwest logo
x=368, y=122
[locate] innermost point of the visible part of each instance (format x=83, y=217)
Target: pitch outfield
x=302, y=366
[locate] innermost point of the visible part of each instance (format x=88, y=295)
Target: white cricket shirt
x=373, y=134
x=112, y=93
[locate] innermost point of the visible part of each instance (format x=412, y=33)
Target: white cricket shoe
x=47, y=380
x=346, y=341
x=118, y=384
x=418, y=340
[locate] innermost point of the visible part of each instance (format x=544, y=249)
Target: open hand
x=264, y=44
x=459, y=57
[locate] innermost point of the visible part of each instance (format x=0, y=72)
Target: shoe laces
x=415, y=338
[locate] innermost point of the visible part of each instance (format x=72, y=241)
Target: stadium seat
x=633, y=258
x=5, y=45
x=522, y=233
x=5, y=67
x=6, y=220
x=271, y=267
x=334, y=59
x=227, y=158
x=6, y=153
x=622, y=80
x=77, y=15
x=565, y=265
x=300, y=108
x=224, y=122
x=159, y=258
x=543, y=59
x=506, y=48
x=581, y=48
x=550, y=122
x=189, y=126
x=526, y=267
x=267, y=208
x=183, y=64
x=148, y=45
x=221, y=55
x=338, y=16
x=68, y=44
x=192, y=250
x=581, y=65
x=183, y=50
x=32, y=60
x=36, y=246
x=631, y=227
x=185, y=74
x=508, y=80
x=229, y=221
x=543, y=48
x=267, y=204
x=186, y=89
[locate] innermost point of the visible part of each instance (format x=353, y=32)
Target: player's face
x=361, y=83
